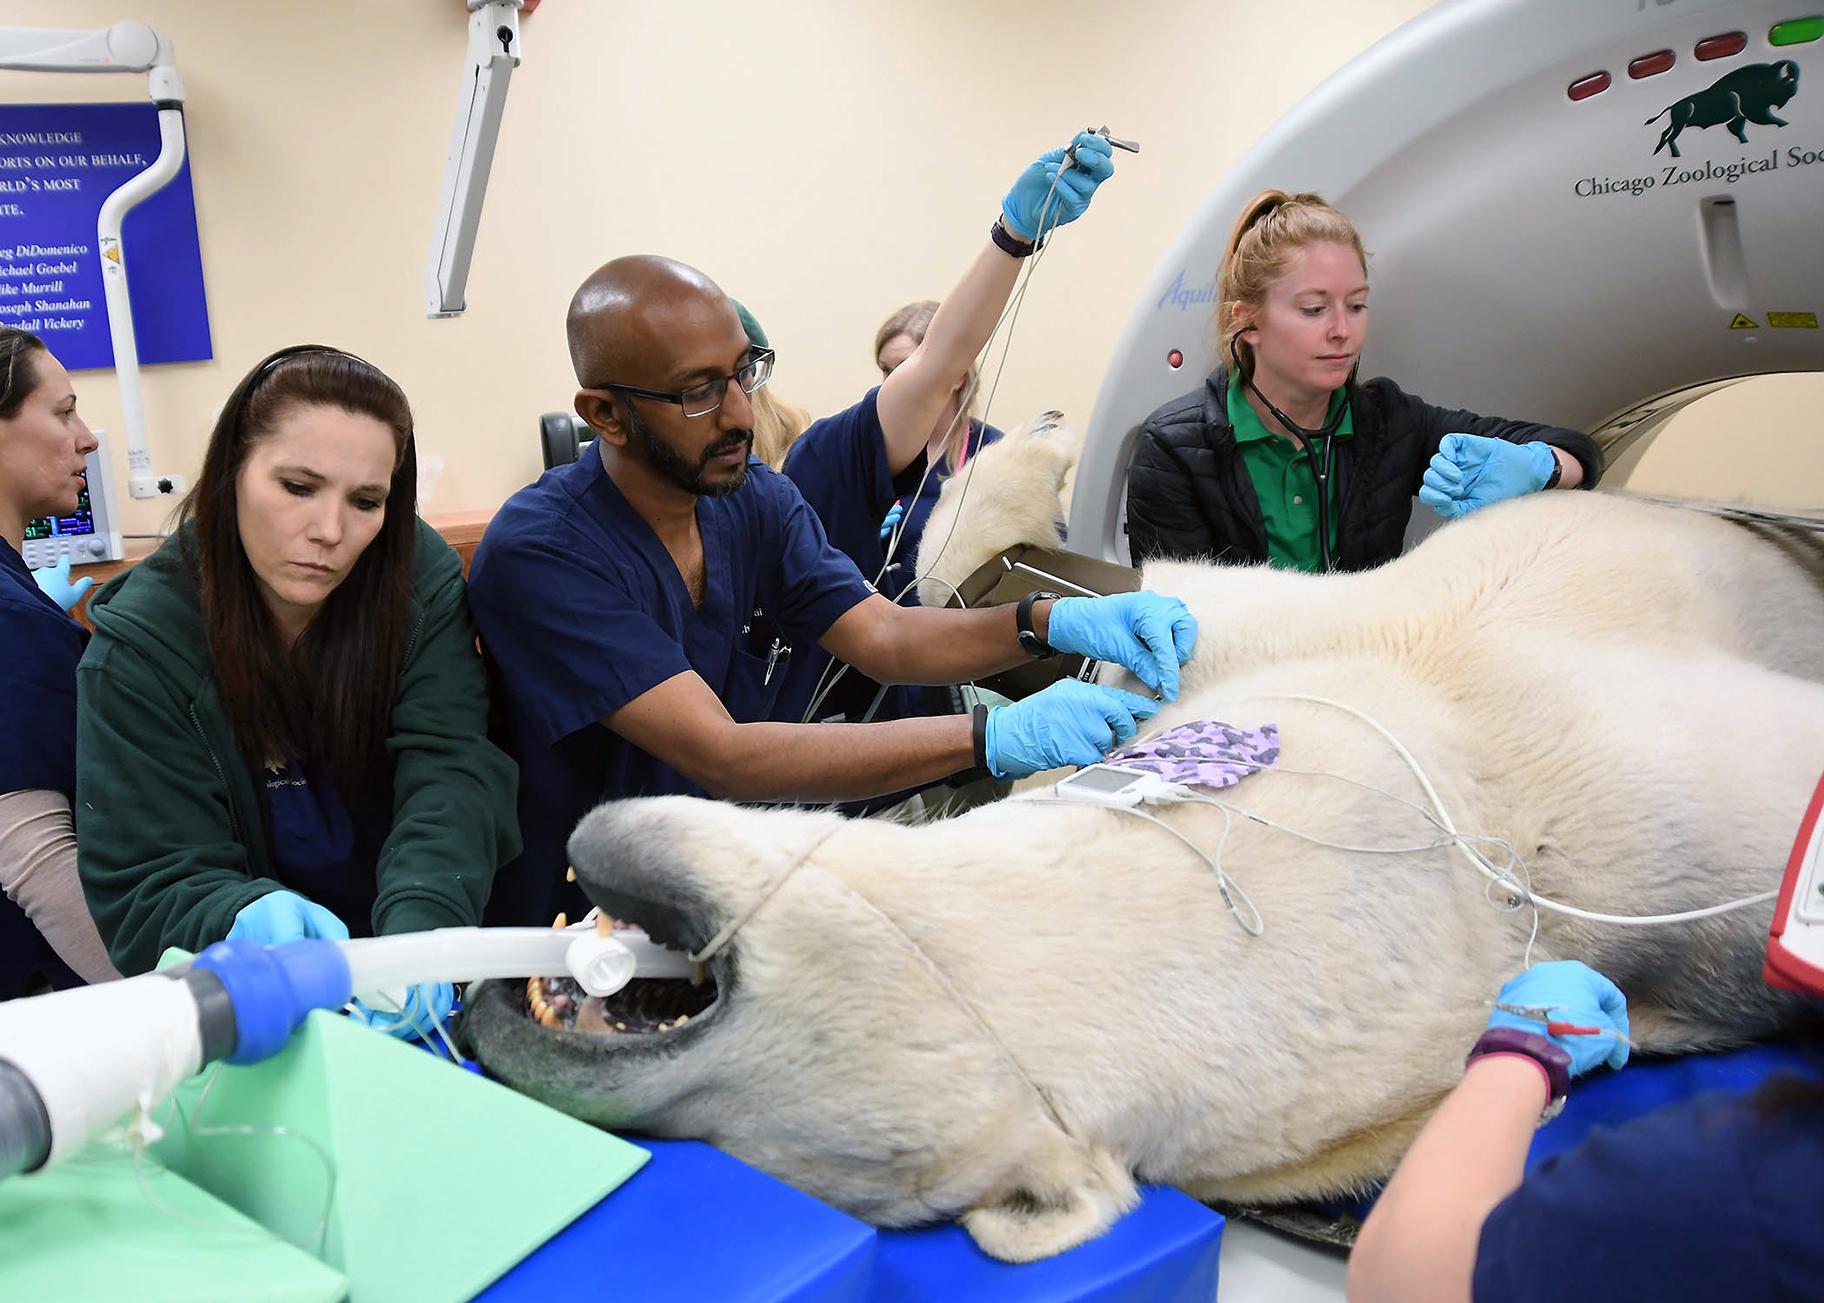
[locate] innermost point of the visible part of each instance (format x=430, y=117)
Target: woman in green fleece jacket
x=282, y=717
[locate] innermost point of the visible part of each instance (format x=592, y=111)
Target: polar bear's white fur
x=1010, y=1015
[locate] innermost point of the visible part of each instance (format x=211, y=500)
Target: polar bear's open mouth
x=643, y=1007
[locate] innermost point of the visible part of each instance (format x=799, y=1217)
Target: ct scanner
x=1531, y=254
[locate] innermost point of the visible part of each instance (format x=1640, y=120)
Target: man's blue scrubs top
x=1709, y=1199
x=39, y=648
x=840, y=466
x=581, y=609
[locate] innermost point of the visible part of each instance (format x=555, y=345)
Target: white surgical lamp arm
x=493, y=54
x=124, y=47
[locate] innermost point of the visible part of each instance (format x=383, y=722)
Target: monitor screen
x=80, y=521
x=1099, y=779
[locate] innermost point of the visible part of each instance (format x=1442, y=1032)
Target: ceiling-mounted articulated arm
x=492, y=56
x=124, y=47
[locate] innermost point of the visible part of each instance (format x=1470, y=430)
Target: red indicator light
x=1721, y=47
x=1594, y=84
x=1174, y=359
x=1651, y=65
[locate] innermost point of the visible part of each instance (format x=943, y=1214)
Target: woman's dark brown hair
x=328, y=699
x=18, y=373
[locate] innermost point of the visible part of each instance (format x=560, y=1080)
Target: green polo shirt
x=1285, y=483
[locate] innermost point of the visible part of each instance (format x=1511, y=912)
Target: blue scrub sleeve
x=840, y=466
x=1705, y=1200
x=570, y=644
x=39, y=649
x=818, y=584
x=37, y=708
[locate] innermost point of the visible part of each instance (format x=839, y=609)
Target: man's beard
x=667, y=461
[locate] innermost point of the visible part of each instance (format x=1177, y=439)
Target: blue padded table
x=1166, y=1249
x=1607, y=1099
x=1645, y=1085
x=697, y=1224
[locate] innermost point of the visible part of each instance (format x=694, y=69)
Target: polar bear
x=1009, y=1016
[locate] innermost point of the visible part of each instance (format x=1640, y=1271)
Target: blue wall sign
x=58, y=162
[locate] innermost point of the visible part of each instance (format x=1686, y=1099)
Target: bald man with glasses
x=638, y=607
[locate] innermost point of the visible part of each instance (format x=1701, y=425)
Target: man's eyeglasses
x=701, y=400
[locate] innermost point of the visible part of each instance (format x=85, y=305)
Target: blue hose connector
x=272, y=988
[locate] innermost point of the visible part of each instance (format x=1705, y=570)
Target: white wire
x=1515, y=877
x=1010, y=314
x=1482, y=866
x=1227, y=886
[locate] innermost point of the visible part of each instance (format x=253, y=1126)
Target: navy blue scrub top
x=1703, y=1200
x=581, y=609
x=840, y=466
x=322, y=849
x=39, y=648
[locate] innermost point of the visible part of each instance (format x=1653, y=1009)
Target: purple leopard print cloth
x=1205, y=753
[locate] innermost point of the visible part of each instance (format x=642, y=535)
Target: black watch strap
x=1036, y=647
x=979, y=733
x=1557, y=474
x=1011, y=244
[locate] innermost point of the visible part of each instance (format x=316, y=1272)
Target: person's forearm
x=838, y=762
x=1420, y=1241
x=1573, y=469
x=38, y=873
x=945, y=645
x=913, y=396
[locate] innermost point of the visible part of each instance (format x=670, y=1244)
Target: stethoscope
x=1320, y=469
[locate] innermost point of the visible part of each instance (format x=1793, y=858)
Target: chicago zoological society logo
x=1747, y=95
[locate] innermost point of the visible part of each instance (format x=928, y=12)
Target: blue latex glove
x=415, y=1017
x=895, y=513
x=1575, y=993
x=1151, y=635
x=281, y=916
x=1471, y=470
x=1020, y=210
x=1069, y=723
x=54, y=582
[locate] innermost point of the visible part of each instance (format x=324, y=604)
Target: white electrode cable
x=1483, y=867
x=1009, y=317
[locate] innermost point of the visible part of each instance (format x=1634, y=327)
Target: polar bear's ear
x=1053, y=1210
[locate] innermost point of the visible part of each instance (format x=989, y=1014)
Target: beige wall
x=825, y=161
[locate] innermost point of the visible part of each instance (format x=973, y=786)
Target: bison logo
x=1749, y=94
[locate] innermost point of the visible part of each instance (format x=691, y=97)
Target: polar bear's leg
x=1350, y=1165
x=1066, y=1196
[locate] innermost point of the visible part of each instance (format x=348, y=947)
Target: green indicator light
x=1797, y=32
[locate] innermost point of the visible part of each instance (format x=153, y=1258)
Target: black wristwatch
x=1551, y=481
x=1036, y=647
x=1009, y=243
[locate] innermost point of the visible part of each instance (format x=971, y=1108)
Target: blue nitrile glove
x=1575, y=993
x=415, y=1018
x=894, y=514
x=1472, y=470
x=1150, y=634
x=1020, y=210
x=54, y=582
x=1069, y=723
x=281, y=916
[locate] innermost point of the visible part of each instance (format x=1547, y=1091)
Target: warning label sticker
x=1793, y=320
x=1744, y=323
